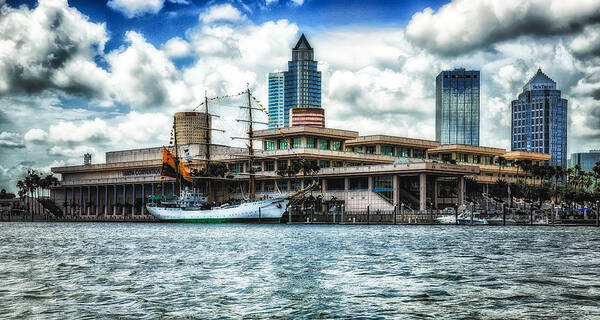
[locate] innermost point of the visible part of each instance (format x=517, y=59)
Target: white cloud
x=10, y=140
x=464, y=25
x=297, y=3
x=36, y=135
x=177, y=48
x=222, y=13
x=136, y=8
x=144, y=77
x=47, y=48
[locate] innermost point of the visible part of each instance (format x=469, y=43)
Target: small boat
x=471, y=218
x=498, y=221
x=464, y=218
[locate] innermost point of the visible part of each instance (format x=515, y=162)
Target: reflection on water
x=90, y=270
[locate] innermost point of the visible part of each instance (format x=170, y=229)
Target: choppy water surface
x=98, y=270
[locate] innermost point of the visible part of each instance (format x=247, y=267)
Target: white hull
x=270, y=210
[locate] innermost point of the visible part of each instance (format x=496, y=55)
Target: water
x=109, y=270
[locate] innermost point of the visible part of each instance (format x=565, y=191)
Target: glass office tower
x=276, y=89
x=302, y=81
x=586, y=160
x=539, y=120
x=457, y=107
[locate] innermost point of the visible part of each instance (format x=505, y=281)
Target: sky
x=96, y=76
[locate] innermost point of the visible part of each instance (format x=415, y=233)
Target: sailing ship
x=192, y=206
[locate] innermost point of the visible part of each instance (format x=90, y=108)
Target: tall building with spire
x=539, y=119
x=301, y=83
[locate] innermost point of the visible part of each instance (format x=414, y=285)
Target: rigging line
x=263, y=109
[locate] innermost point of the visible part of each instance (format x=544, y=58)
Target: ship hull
x=265, y=211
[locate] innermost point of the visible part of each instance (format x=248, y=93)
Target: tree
x=596, y=171
x=501, y=163
x=6, y=195
x=518, y=164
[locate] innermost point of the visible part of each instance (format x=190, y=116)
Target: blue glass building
x=302, y=81
x=586, y=160
x=457, y=107
x=276, y=89
x=539, y=120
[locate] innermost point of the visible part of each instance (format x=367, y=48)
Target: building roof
x=385, y=139
x=538, y=77
x=523, y=155
x=305, y=131
x=467, y=149
x=302, y=43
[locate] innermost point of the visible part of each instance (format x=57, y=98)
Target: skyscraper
x=539, y=119
x=302, y=81
x=457, y=107
x=276, y=89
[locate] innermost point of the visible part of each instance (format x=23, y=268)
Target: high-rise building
x=276, y=89
x=302, y=81
x=539, y=120
x=457, y=107
x=586, y=160
x=191, y=127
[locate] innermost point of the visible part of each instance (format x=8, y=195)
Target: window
x=310, y=142
x=269, y=165
x=323, y=144
x=283, y=144
x=461, y=157
x=338, y=164
x=270, y=145
x=387, y=150
x=296, y=143
x=281, y=164
x=324, y=163
x=336, y=145
x=370, y=150
x=335, y=184
x=360, y=183
x=419, y=153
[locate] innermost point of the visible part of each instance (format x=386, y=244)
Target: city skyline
x=111, y=83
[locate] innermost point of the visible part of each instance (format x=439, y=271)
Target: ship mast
x=176, y=154
x=207, y=142
x=250, y=148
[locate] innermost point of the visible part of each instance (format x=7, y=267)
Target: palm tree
x=526, y=166
x=596, y=171
x=518, y=164
x=501, y=163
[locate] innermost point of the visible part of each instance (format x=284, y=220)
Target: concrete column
x=275, y=164
x=133, y=201
x=97, y=200
x=114, y=199
x=302, y=183
x=289, y=183
x=435, y=193
x=162, y=189
x=81, y=201
x=346, y=184
x=324, y=185
x=143, y=199
x=65, y=210
x=422, y=192
x=124, y=199
x=461, y=190
x=87, y=207
x=173, y=188
x=105, y=200
x=395, y=185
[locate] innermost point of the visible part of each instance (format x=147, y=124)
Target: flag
x=170, y=163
